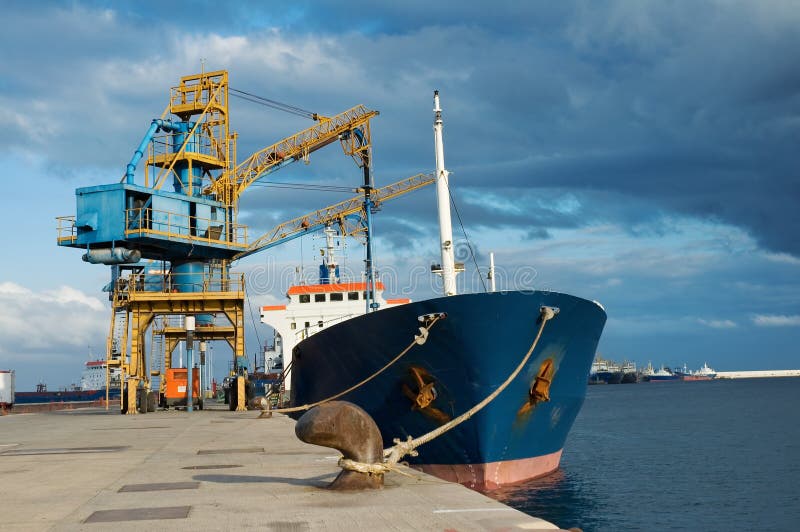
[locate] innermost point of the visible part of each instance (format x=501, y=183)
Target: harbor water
x=717, y=455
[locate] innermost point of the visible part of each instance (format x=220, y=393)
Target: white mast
x=443, y=199
x=330, y=260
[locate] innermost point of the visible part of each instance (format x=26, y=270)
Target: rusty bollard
x=350, y=430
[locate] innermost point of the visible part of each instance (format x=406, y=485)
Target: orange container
x=175, y=392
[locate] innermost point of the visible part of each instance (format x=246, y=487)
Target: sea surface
x=705, y=456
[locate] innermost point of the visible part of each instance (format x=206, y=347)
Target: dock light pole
x=189, y=362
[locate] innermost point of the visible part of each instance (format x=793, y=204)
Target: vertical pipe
x=203, y=376
x=443, y=200
x=189, y=362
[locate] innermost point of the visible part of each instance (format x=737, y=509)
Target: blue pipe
x=115, y=255
x=155, y=125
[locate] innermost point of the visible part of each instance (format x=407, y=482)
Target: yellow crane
x=193, y=228
x=350, y=127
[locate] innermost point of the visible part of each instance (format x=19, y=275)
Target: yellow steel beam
x=295, y=147
x=335, y=213
x=161, y=178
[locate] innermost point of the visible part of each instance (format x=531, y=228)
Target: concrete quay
x=88, y=469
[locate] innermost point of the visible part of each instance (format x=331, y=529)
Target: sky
x=641, y=154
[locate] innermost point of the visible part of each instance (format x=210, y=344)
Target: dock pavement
x=92, y=469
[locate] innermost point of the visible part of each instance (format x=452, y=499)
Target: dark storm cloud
x=695, y=111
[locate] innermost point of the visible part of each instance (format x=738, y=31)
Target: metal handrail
x=148, y=221
x=67, y=229
x=180, y=283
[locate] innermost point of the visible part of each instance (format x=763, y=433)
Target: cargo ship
x=663, y=374
x=474, y=346
x=605, y=372
x=92, y=387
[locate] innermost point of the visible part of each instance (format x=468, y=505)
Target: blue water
x=718, y=455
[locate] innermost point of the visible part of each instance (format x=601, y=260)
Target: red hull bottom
x=494, y=474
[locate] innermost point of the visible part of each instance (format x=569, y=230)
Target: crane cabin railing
x=67, y=231
x=146, y=284
x=146, y=221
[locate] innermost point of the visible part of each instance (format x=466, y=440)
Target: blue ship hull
x=467, y=356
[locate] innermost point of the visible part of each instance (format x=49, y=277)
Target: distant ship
x=705, y=373
x=661, y=375
x=92, y=388
x=474, y=346
x=609, y=372
x=630, y=375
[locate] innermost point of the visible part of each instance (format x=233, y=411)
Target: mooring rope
x=392, y=455
x=419, y=339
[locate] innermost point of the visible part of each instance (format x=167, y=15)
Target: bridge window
x=319, y=298
x=337, y=296
x=320, y=324
x=293, y=326
x=352, y=296
x=371, y=294
x=305, y=298
x=308, y=324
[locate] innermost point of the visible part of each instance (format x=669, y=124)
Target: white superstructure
x=94, y=375
x=313, y=307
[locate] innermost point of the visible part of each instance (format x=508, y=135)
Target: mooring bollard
x=261, y=403
x=350, y=430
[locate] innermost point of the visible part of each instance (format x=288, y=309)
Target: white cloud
x=782, y=258
x=718, y=324
x=48, y=323
x=776, y=320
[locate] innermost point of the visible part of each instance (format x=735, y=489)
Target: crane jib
x=298, y=146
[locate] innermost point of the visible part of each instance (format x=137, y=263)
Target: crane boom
x=298, y=146
x=337, y=213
